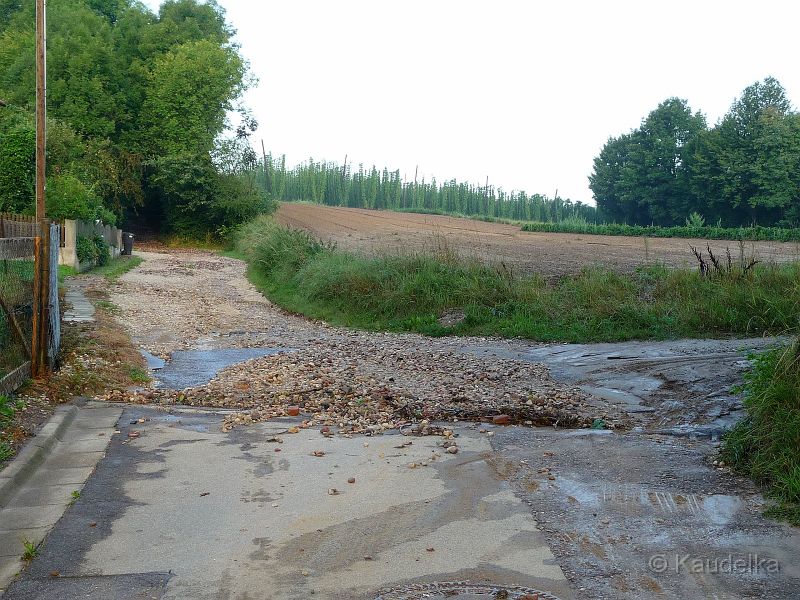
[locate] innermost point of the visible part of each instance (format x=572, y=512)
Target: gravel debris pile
x=370, y=388
x=348, y=381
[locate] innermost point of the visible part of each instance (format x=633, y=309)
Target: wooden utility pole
x=41, y=284
x=41, y=105
x=267, y=184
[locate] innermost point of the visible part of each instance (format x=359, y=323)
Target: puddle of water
x=192, y=368
x=153, y=362
x=190, y=422
x=721, y=509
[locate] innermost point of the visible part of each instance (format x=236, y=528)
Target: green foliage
x=138, y=375
x=117, y=267
x=128, y=91
x=695, y=220
x=640, y=177
x=188, y=94
x=102, y=251
x=745, y=170
x=85, y=249
x=17, y=169
x=766, y=444
x=755, y=233
x=93, y=250
x=69, y=198
x=8, y=408
x=31, y=550
x=196, y=199
x=411, y=292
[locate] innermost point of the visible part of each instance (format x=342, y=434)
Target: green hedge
x=755, y=233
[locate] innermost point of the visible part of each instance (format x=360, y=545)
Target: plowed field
x=371, y=232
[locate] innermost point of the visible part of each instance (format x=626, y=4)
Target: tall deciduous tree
x=745, y=167
x=189, y=92
x=641, y=177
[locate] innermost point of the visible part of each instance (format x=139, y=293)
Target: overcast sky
x=523, y=92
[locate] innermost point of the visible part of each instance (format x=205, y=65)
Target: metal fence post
x=36, y=324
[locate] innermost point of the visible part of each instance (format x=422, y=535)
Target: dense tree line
x=342, y=185
x=137, y=102
x=743, y=171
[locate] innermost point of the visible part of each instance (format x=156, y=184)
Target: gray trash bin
x=127, y=244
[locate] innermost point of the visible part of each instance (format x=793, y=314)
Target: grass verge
x=411, y=293
x=765, y=446
x=117, y=267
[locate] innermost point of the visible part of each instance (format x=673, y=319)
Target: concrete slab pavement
x=80, y=309
x=39, y=484
x=240, y=515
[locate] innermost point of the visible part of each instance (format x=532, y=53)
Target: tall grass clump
x=411, y=292
x=765, y=446
x=305, y=275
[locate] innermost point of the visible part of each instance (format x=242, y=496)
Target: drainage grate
x=462, y=590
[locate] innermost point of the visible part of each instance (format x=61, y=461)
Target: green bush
x=85, y=249
x=69, y=198
x=102, y=252
x=198, y=200
x=93, y=250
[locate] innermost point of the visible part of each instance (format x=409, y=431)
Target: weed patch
x=117, y=267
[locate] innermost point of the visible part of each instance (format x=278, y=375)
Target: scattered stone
x=452, y=449
x=351, y=480
x=354, y=381
x=333, y=492
x=501, y=419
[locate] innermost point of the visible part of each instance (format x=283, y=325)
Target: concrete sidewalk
x=42, y=481
x=183, y=510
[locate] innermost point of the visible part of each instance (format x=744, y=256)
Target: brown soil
x=550, y=254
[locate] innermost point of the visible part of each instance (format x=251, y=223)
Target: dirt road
x=242, y=502
x=378, y=232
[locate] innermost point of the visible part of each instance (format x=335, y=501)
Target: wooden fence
x=18, y=226
x=30, y=319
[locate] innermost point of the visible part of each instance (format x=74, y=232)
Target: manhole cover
x=460, y=590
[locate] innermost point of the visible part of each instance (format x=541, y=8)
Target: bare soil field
x=550, y=254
